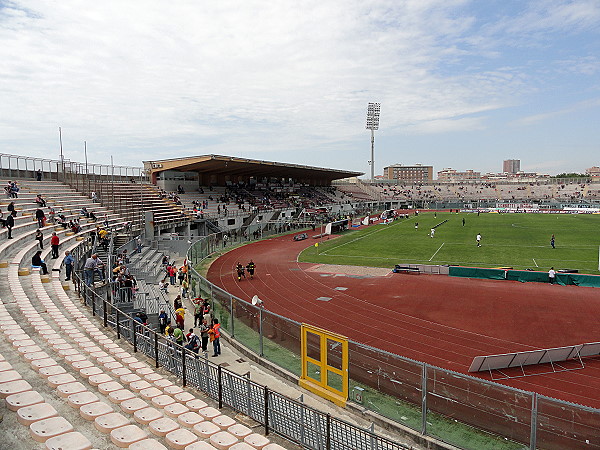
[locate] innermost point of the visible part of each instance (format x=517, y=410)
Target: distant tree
x=571, y=175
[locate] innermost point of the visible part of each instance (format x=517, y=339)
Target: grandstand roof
x=230, y=165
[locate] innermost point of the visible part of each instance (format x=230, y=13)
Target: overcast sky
x=462, y=84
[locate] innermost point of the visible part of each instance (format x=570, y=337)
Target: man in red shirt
x=54, y=242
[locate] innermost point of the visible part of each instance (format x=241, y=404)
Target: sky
x=463, y=84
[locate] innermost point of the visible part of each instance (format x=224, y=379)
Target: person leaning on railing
x=92, y=264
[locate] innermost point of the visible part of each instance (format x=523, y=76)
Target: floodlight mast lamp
x=373, y=110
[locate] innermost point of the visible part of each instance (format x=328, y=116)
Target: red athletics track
x=440, y=320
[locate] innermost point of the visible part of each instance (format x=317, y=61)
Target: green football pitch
x=521, y=241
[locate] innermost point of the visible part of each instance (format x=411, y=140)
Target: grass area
x=521, y=241
x=444, y=428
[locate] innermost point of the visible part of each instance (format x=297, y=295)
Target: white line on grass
x=436, y=252
x=387, y=227
x=535, y=262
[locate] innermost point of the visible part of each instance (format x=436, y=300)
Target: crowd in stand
x=471, y=191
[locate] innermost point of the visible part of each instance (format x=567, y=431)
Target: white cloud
x=580, y=106
x=148, y=80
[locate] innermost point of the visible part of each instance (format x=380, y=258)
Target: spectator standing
x=10, y=223
x=40, y=217
x=92, y=264
x=215, y=336
x=68, y=262
x=38, y=175
x=39, y=236
x=203, y=328
x=206, y=314
x=178, y=335
x=184, y=288
x=162, y=321
x=172, y=272
x=198, y=309
x=180, y=317
x=552, y=275
x=54, y=243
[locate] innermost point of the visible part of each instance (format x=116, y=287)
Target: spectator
x=38, y=175
x=40, y=217
x=39, y=236
x=204, y=335
x=215, y=336
x=68, y=262
x=37, y=261
x=163, y=286
x=162, y=321
x=40, y=201
x=92, y=265
x=10, y=223
x=54, y=243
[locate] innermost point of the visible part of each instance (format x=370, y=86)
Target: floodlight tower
x=373, y=124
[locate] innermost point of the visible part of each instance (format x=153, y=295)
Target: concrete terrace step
x=89, y=353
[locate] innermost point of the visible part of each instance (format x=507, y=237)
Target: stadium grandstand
x=92, y=346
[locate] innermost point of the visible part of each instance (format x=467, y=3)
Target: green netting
x=525, y=276
x=476, y=272
x=578, y=279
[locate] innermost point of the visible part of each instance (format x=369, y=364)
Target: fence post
x=118, y=325
x=183, y=374
x=328, y=435
x=133, y=322
x=534, y=409
x=260, y=332
x=220, y=380
x=105, y=314
x=424, y=401
x=232, y=316
x=93, y=304
x=156, y=348
x=267, y=410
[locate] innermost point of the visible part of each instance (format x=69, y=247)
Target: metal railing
x=278, y=414
x=430, y=400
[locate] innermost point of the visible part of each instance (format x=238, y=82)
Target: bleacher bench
x=405, y=269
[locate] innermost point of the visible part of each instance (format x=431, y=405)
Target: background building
x=454, y=175
x=417, y=172
x=593, y=172
x=511, y=166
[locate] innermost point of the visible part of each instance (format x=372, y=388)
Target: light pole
x=373, y=124
x=62, y=158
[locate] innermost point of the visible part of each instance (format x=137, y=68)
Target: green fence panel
x=526, y=276
x=476, y=272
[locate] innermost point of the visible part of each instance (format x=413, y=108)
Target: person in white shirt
x=478, y=239
x=552, y=275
